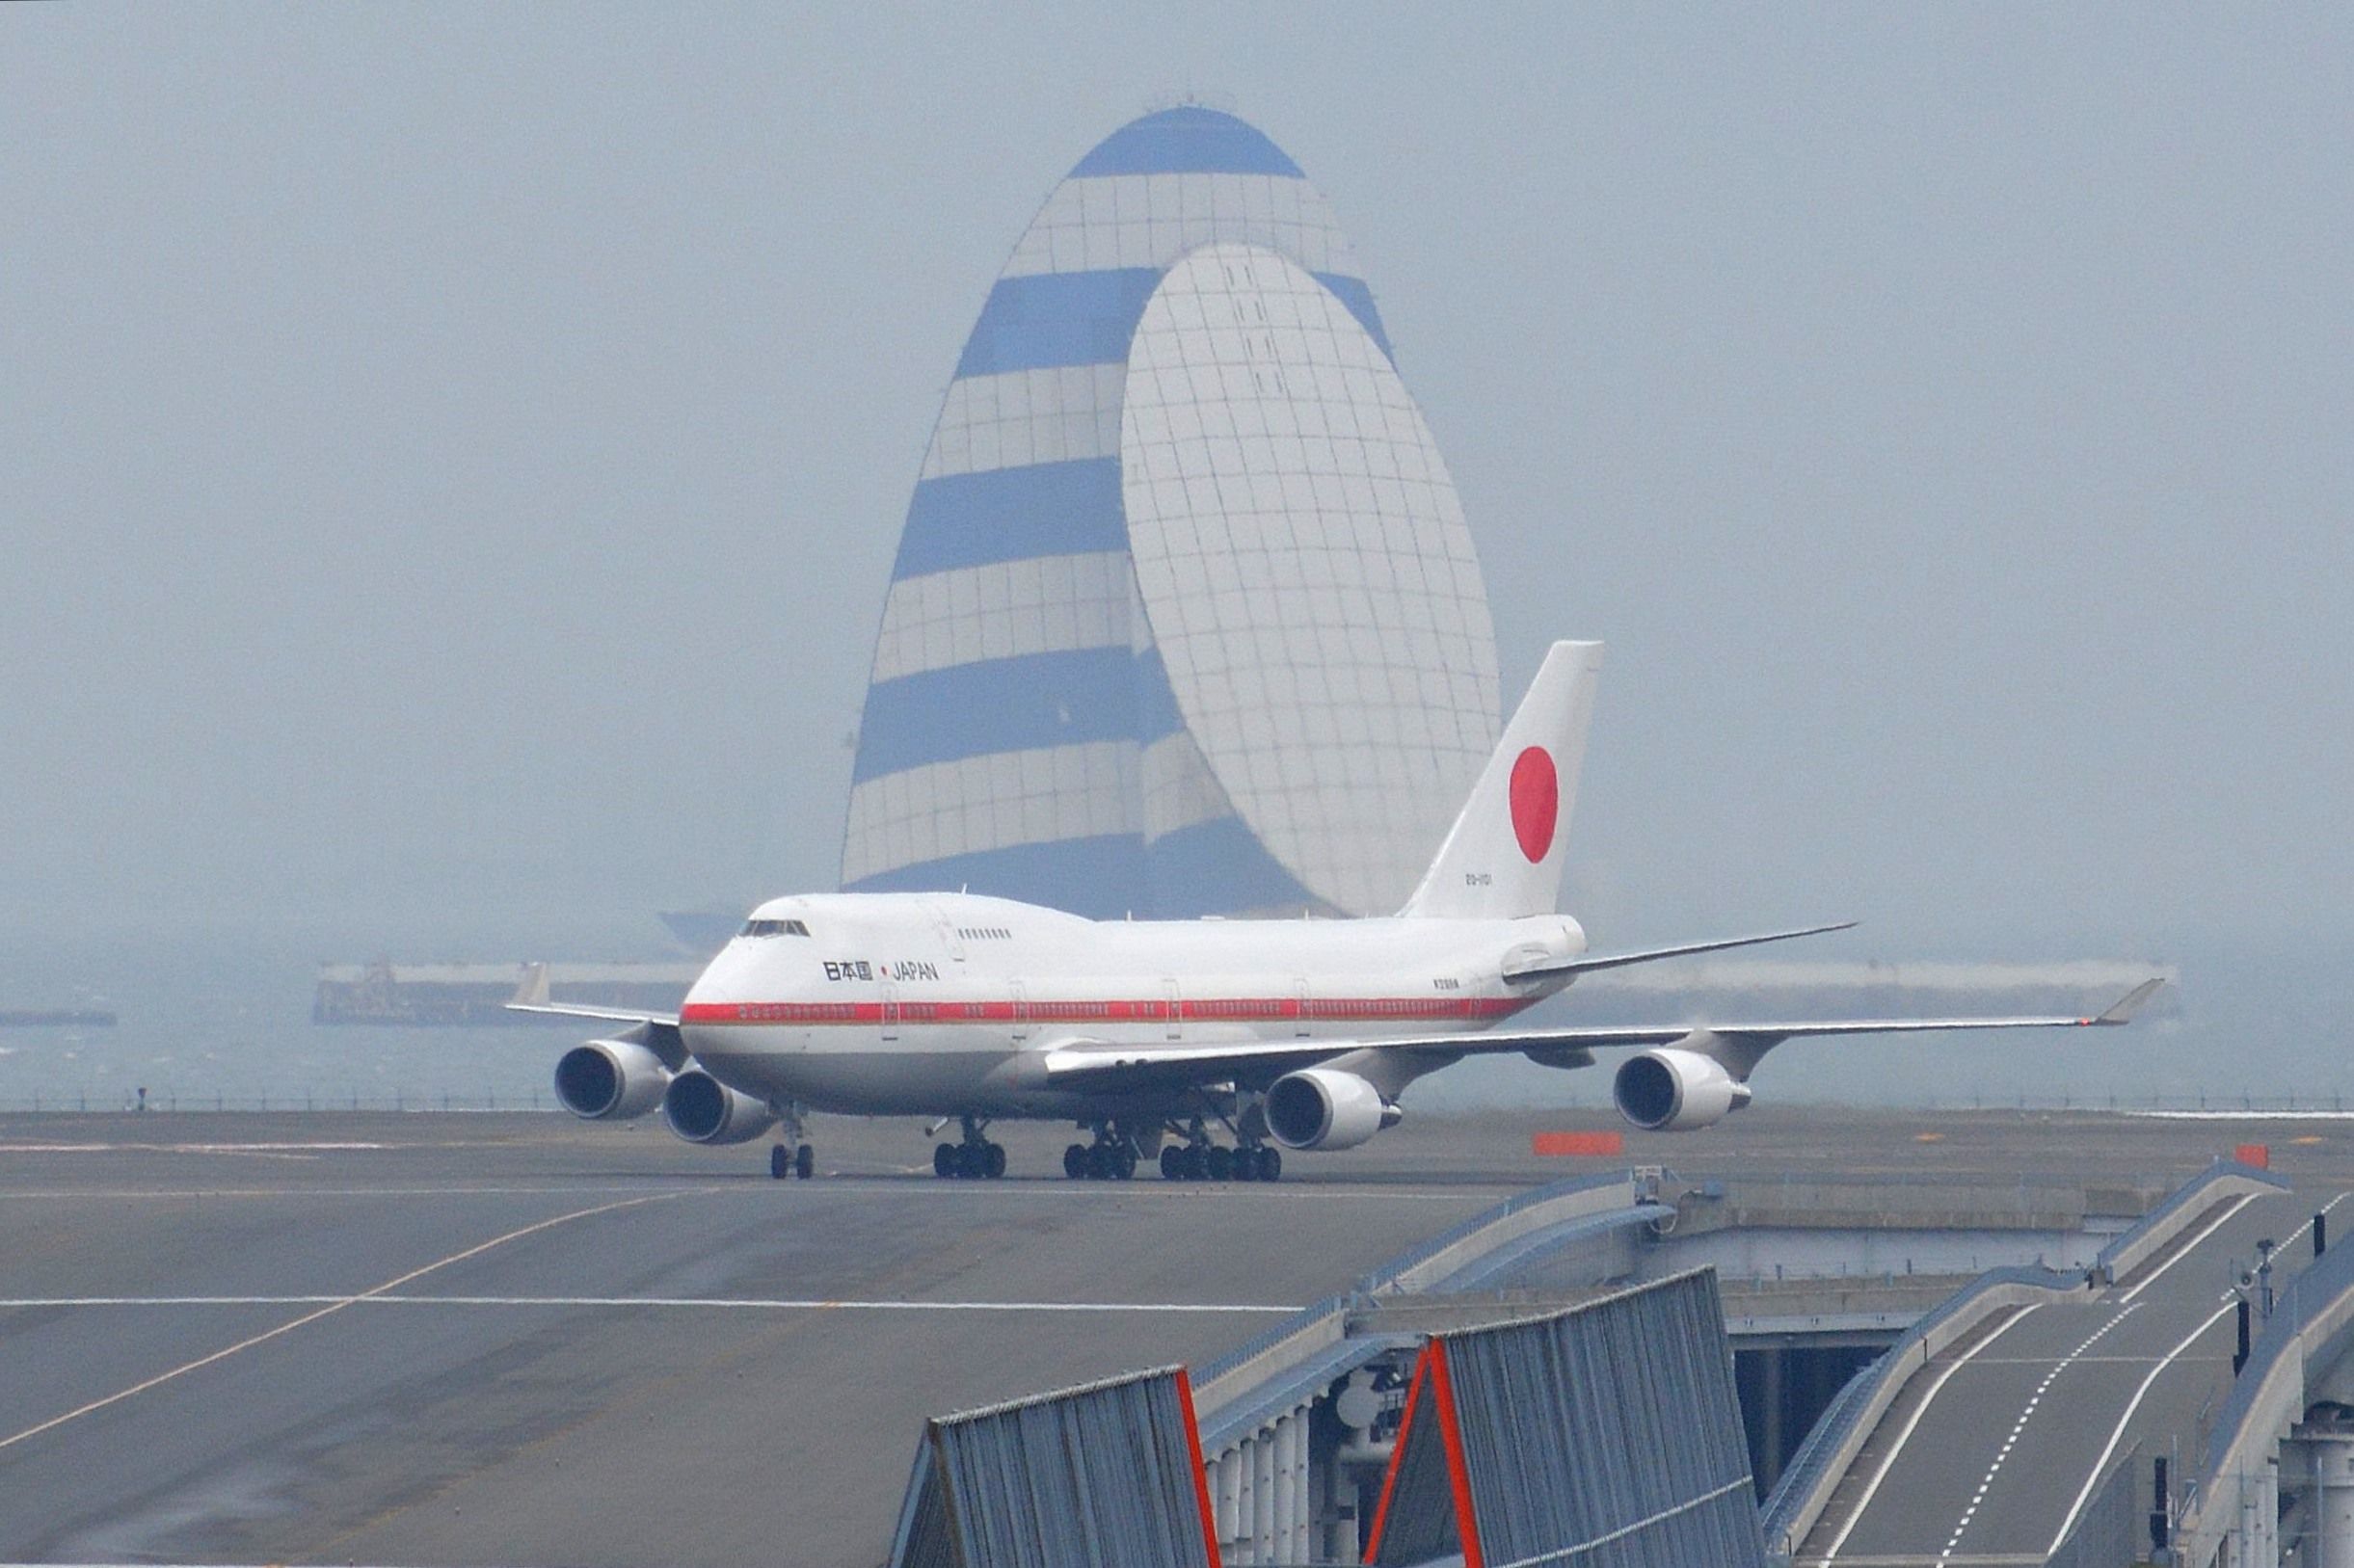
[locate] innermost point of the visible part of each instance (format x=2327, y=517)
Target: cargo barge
x=448, y=996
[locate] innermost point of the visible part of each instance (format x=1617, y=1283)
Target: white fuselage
x=944, y=1003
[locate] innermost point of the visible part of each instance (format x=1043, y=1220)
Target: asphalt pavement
x=480, y=1339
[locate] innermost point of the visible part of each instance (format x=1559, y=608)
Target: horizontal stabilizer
x=1554, y=967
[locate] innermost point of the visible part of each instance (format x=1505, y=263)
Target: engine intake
x=702, y=1110
x=1321, y=1108
x=610, y=1080
x=1668, y=1090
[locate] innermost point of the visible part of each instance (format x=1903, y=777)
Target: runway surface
x=462, y=1340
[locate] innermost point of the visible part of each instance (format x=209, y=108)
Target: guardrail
x=1516, y=1216
x=1799, y=1497
x=2311, y=1324
x=1325, y=1323
x=2161, y=1225
x=116, y=1102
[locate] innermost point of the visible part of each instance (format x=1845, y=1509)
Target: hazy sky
x=451, y=458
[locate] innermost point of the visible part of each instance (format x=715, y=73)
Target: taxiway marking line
x=2101, y=1464
x=383, y=1297
x=333, y=1304
x=2190, y=1246
x=1888, y=1460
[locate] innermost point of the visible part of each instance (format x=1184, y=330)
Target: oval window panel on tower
x=1304, y=565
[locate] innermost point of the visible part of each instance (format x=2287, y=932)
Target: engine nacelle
x=702, y=1110
x=610, y=1080
x=1668, y=1090
x=1321, y=1108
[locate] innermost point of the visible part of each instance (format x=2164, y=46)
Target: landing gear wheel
x=944, y=1160
x=1220, y=1162
x=973, y=1160
x=805, y=1161
x=1271, y=1165
x=1172, y=1163
x=1075, y=1161
x=993, y=1160
x=1197, y=1162
x=1125, y=1164
x=780, y=1161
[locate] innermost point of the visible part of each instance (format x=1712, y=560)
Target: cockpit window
x=773, y=928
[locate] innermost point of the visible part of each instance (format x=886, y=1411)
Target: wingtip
x=531, y=991
x=2125, y=1006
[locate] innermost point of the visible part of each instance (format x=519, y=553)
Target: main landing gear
x=1111, y=1157
x=976, y=1159
x=792, y=1154
x=1198, y=1159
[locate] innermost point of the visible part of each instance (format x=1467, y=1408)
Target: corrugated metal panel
x=1607, y=1436
x=1105, y=1474
x=1416, y=1520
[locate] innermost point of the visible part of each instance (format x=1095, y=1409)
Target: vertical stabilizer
x=1503, y=857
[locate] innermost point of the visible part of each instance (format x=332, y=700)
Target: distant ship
x=473, y=995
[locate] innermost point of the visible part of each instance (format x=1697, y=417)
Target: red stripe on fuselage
x=1218, y=1009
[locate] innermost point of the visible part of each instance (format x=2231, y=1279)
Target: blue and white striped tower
x=1185, y=619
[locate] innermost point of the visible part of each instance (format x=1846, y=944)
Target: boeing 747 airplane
x=1157, y=1036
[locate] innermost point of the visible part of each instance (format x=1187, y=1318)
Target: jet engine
x=702, y=1110
x=610, y=1080
x=1319, y=1107
x=1668, y=1090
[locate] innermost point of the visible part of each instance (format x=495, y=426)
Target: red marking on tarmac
x=1537, y=798
x=1575, y=1144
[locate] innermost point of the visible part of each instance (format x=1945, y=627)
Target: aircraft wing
x=1584, y=964
x=1103, y=1066
x=610, y=1015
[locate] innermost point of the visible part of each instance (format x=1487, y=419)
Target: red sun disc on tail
x=1536, y=799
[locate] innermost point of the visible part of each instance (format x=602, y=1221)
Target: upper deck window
x=774, y=928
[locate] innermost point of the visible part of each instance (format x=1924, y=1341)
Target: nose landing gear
x=792, y=1154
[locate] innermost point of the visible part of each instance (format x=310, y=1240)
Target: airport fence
x=114, y=1103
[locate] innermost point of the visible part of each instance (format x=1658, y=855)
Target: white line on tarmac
x=335, y=1304
x=1888, y=1460
x=2190, y=1246
x=377, y=1298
